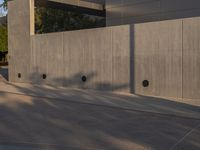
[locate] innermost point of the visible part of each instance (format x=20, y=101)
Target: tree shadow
x=93, y=81
x=61, y=124
x=56, y=118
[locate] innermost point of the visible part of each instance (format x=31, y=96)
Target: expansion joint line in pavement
x=185, y=136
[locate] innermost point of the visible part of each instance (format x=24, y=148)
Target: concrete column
x=20, y=29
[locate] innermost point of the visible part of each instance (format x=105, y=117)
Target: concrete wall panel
x=191, y=58
x=38, y=60
x=73, y=58
x=89, y=55
x=47, y=58
x=121, y=58
x=158, y=53
x=102, y=55
x=98, y=52
x=116, y=58
x=20, y=27
x=144, y=49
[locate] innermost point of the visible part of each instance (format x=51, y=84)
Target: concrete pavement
x=49, y=118
x=42, y=123
x=108, y=99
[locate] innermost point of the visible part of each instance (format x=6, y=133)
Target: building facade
x=139, y=11
x=159, y=58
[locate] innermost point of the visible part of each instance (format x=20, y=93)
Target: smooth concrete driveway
x=48, y=118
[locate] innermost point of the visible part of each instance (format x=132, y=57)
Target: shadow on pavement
x=53, y=118
x=57, y=118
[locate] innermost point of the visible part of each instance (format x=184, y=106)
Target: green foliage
x=53, y=20
x=4, y=4
x=3, y=38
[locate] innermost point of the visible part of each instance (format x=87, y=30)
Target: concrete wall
x=158, y=58
x=167, y=54
x=115, y=58
x=191, y=58
x=122, y=57
x=20, y=27
x=139, y=11
x=102, y=55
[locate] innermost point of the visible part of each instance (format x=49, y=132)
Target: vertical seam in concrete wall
x=182, y=58
x=122, y=17
x=111, y=30
x=46, y=63
x=63, y=62
x=132, y=58
x=31, y=54
x=32, y=32
x=84, y=70
x=161, y=10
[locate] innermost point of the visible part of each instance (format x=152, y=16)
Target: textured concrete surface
x=167, y=55
x=112, y=58
x=55, y=119
x=20, y=27
x=191, y=57
x=171, y=106
x=158, y=58
x=47, y=58
x=51, y=118
x=102, y=55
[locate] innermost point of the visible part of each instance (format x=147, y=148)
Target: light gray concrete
x=102, y=55
x=191, y=57
x=20, y=27
x=115, y=58
x=59, y=118
x=158, y=58
x=121, y=56
x=99, y=49
x=47, y=58
x=116, y=100
x=167, y=54
x=74, y=58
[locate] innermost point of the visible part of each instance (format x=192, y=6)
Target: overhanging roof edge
x=76, y=5
x=81, y=3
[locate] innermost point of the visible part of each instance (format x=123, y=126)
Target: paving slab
x=51, y=124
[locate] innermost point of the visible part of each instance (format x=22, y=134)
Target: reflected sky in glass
x=2, y=11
